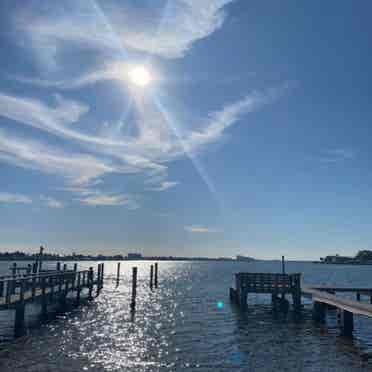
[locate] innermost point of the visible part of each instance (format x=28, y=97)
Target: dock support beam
x=347, y=323
x=19, y=323
x=44, y=302
x=319, y=311
x=243, y=294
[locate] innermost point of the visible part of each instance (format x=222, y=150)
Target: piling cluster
x=153, y=282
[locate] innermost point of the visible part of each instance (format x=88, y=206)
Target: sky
x=186, y=127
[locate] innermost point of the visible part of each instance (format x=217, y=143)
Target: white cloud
x=202, y=229
x=168, y=30
x=156, y=143
x=96, y=198
x=6, y=197
x=76, y=168
x=221, y=120
x=51, y=202
x=164, y=185
x=182, y=23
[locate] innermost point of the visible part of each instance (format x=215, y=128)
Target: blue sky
x=251, y=136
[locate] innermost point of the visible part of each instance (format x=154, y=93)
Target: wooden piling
x=78, y=289
x=75, y=266
x=358, y=296
x=44, y=302
x=134, y=289
x=118, y=275
x=283, y=265
x=156, y=275
x=14, y=274
x=151, y=276
x=19, y=323
x=98, y=279
x=319, y=311
x=347, y=323
x=40, y=258
x=58, y=266
x=90, y=283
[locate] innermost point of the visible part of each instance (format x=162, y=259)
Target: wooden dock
x=46, y=288
x=275, y=284
x=323, y=296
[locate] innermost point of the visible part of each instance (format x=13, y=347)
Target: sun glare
x=139, y=76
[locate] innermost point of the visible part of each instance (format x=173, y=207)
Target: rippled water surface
x=188, y=324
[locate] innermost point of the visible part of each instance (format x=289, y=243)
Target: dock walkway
x=49, y=287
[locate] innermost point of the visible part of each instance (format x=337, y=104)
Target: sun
x=140, y=76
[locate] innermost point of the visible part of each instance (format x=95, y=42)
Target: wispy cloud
x=6, y=197
x=337, y=155
x=183, y=22
x=155, y=144
x=202, y=229
x=164, y=185
x=101, y=199
x=51, y=202
x=76, y=168
x=87, y=150
x=168, y=31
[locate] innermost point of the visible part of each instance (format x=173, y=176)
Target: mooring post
x=134, y=289
x=347, y=323
x=283, y=265
x=358, y=296
x=75, y=266
x=64, y=267
x=102, y=275
x=156, y=275
x=98, y=279
x=58, y=268
x=19, y=323
x=118, y=275
x=41, y=258
x=90, y=283
x=78, y=289
x=151, y=276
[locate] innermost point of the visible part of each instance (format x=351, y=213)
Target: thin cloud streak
x=6, y=197
x=202, y=229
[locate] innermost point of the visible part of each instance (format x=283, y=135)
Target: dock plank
x=355, y=307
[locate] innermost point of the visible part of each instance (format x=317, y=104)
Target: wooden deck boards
x=355, y=307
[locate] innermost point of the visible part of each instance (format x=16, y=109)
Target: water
x=188, y=324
